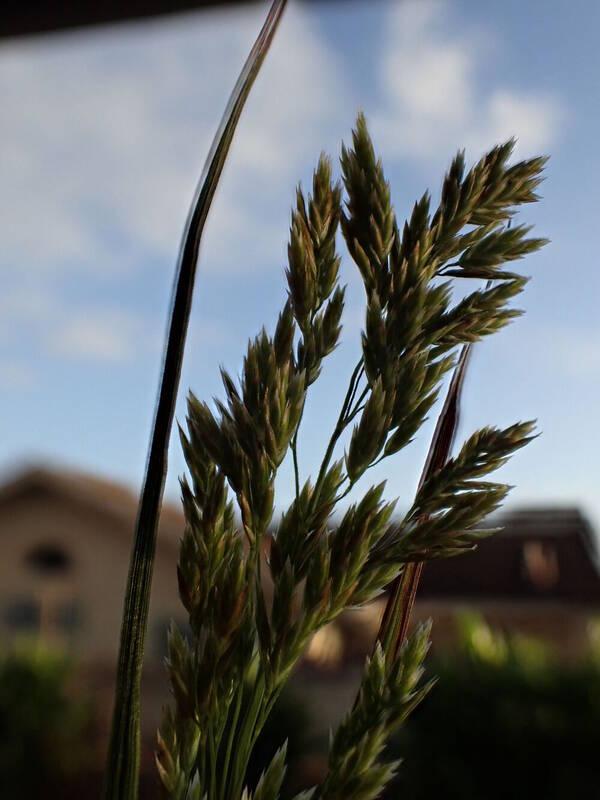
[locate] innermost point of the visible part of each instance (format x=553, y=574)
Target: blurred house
x=65, y=544
x=539, y=577
x=65, y=540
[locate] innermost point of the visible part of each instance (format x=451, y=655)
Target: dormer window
x=540, y=565
x=49, y=559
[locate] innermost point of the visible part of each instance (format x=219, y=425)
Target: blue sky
x=103, y=136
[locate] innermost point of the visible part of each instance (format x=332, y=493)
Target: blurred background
x=107, y=115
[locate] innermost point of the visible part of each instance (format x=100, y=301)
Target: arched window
x=49, y=559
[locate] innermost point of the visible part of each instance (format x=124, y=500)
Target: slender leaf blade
x=122, y=766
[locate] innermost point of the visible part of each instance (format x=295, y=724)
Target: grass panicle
x=244, y=644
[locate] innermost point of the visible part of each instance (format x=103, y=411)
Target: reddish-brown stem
x=396, y=617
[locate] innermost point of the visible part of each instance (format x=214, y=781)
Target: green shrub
x=507, y=720
x=44, y=729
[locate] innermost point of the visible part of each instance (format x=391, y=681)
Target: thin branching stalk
x=122, y=766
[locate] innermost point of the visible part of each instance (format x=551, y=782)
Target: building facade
x=65, y=545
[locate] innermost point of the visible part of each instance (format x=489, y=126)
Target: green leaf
x=121, y=774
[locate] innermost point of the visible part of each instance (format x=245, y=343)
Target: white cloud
x=52, y=327
x=535, y=118
x=104, y=136
x=99, y=336
x=433, y=101
x=89, y=334
x=426, y=76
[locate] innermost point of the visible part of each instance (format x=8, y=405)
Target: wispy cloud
x=104, y=136
x=52, y=326
x=99, y=336
x=433, y=100
x=103, y=139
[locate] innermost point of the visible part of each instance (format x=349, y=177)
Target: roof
x=104, y=496
x=540, y=555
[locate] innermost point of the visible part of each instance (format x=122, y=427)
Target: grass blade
x=122, y=765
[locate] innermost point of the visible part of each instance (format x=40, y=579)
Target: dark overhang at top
x=20, y=18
